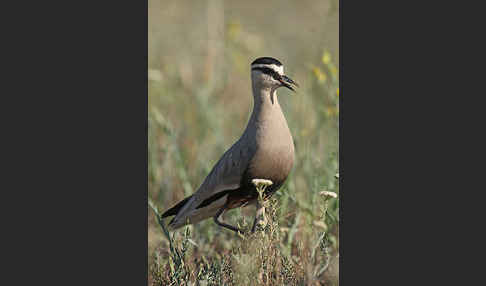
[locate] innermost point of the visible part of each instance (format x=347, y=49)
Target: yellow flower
x=330, y=111
x=333, y=70
x=321, y=77
x=234, y=30
x=326, y=58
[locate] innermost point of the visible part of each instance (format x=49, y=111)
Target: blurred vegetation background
x=199, y=56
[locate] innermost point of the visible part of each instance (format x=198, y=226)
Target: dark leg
x=216, y=220
x=254, y=225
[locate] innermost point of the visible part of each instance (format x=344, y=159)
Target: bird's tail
x=175, y=209
x=191, y=215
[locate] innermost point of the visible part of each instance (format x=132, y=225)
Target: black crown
x=266, y=61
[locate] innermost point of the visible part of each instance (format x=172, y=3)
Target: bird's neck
x=264, y=98
x=265, y=105
x=267, y=114
x=272, y=133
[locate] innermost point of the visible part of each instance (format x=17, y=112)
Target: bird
x=265, y=150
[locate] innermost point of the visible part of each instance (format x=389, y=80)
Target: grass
x=199, y=104
x=266, y=257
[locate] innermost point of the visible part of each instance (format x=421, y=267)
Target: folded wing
x=225, y=176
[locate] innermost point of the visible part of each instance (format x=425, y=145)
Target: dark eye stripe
x=275, y=75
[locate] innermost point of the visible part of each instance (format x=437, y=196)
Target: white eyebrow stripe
x=274, y=67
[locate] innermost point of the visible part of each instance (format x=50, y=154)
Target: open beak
x=288, y=82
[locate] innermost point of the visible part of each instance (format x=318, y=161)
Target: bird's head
x=268, y=72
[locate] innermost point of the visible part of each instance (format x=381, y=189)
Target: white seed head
x=261, y=182
x=320, y=224
x=328, y=194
